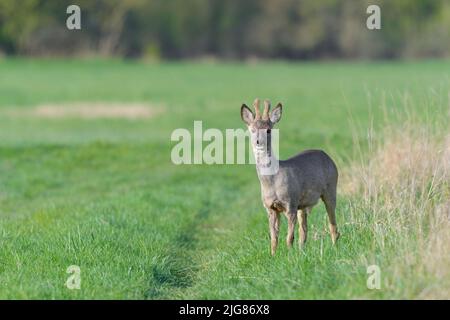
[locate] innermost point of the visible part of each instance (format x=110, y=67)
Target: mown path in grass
x=132, y=230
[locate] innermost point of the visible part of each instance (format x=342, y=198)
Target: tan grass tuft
x=403, y=189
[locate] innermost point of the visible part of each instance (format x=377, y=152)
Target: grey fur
x=299, y=182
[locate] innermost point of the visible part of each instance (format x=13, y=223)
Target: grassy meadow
x=102, y=193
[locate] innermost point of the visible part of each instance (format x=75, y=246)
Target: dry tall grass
x=403, y=191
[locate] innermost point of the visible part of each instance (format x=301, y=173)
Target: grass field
x=103, y=194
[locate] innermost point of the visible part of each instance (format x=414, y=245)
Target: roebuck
x=298, y=183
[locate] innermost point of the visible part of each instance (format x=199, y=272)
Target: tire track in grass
x=178, y=268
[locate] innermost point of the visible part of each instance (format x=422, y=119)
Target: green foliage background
x=293, y=29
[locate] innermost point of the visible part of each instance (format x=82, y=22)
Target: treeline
x=235, y=29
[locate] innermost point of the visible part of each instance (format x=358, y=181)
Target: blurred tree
x=17, y=21
x=293, y=29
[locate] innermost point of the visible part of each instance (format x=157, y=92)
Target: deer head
x=260, y=126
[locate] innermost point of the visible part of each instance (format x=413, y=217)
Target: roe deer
x=298, y=183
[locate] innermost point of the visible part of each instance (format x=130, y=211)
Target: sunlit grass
x=104, y=195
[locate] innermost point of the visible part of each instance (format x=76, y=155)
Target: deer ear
x=247, y=114
x=275, y=115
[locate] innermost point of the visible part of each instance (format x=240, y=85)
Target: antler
x=256, y=107
x=265, y=115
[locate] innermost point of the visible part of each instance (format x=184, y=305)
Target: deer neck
x=266, y=166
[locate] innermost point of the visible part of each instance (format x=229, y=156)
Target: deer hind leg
x=302, y=216
x=330, y=205
x=274, y=226
x=292, y=220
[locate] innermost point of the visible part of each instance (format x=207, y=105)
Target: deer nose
x=257, y=141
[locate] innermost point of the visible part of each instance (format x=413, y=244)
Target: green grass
x=104, y=195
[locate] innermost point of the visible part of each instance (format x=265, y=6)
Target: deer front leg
x=292, y=220
x=274, y=226
x=302, y=226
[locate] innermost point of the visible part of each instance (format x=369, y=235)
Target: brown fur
x=298, y=184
